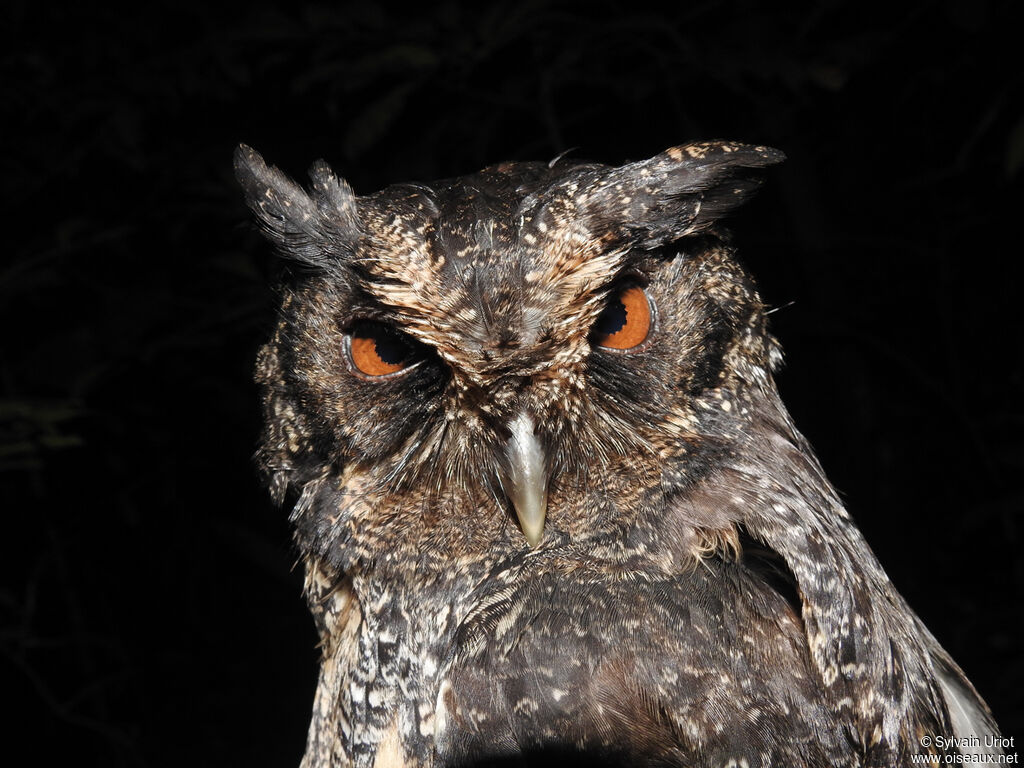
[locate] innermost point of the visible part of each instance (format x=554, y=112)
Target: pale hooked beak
x=525, y=480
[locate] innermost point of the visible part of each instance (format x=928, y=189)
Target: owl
x=550, y=506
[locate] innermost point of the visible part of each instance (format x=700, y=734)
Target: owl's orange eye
x=377, y=350
x=625, y=322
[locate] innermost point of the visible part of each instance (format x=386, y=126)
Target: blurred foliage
x=148, y=610
x=29, y=429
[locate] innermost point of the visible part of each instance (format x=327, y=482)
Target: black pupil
x=612, y=319
x=390, y=347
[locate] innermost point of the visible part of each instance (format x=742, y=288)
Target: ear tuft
x=315, y=230
x=334, y=197
x=681, y=191
x=721, y=175
x=281, y=205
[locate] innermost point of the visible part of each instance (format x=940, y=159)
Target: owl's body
x=550, y=504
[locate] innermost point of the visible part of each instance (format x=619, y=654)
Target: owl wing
x=880, y=670
x=598, y=668
x=969, y=717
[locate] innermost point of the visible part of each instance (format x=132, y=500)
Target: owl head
x=531, y=355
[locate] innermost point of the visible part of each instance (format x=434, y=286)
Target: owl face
x=461, y=368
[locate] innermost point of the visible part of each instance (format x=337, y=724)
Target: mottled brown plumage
x=529, y=540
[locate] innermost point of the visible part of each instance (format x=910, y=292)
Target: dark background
x=150, y=613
